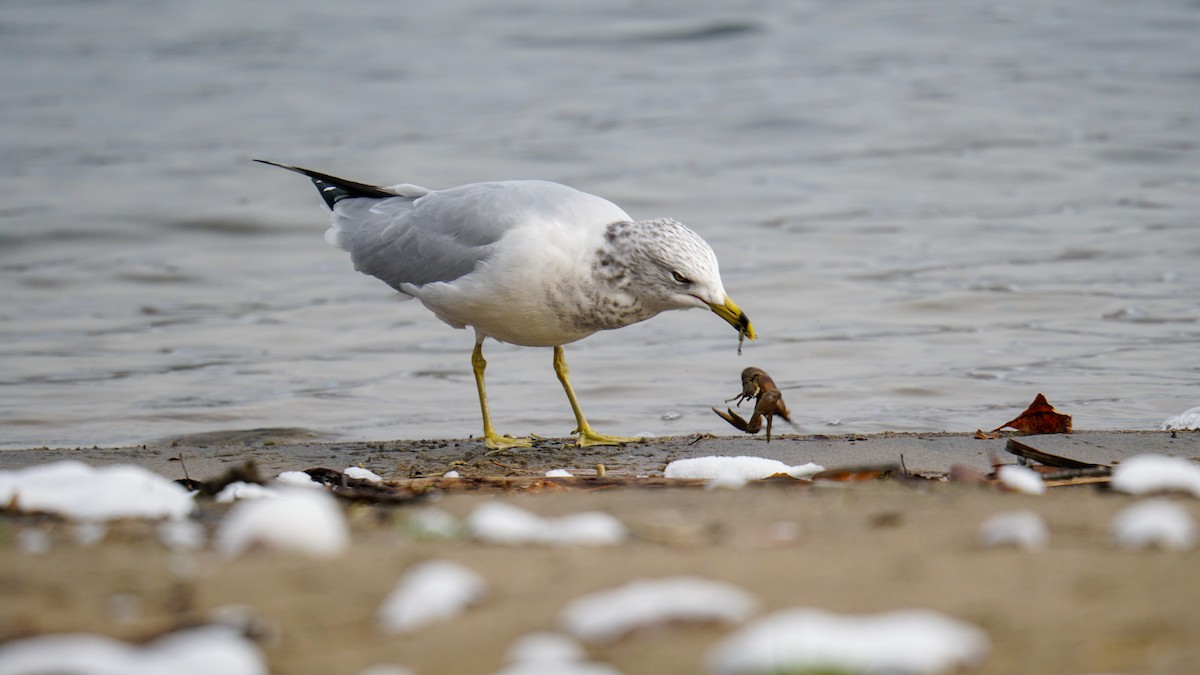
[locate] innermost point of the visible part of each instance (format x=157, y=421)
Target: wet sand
x=1081, y=605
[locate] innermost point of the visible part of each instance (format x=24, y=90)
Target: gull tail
x=334, y=189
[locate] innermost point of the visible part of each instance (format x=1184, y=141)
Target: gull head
x=668, y=266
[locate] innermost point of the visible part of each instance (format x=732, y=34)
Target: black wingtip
x=332, y=188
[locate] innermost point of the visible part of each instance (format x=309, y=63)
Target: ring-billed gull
x=527, y=262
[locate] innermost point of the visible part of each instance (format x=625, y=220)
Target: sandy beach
x=931, y=211
x=1080, y=605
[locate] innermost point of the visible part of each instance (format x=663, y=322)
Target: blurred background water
x=932, y=211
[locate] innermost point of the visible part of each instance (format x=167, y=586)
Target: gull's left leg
x=587, y=437
x=491, y=439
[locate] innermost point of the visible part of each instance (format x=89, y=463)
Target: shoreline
x=933, y=453
x=1081, y=604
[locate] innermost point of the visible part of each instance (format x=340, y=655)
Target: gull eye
x=680, y=278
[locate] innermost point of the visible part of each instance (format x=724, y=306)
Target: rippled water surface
x=932, y=211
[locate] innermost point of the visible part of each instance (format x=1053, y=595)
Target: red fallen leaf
x=1040, y=418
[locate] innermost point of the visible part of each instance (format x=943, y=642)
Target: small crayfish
x=768, y=403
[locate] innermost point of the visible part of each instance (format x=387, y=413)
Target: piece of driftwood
x=1022, y=449
x=245, y=472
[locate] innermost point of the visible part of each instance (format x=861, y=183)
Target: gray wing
x=421, y=238
x=413, y=241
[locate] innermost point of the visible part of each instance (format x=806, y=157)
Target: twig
x=183, y=465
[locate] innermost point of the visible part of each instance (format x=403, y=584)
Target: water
x=932, y=211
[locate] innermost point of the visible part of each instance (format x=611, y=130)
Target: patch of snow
x=239, y=490
x=805, y=471
x=608, y=615
x=89, y=533
x=736, y=471
x=551, y=654
x=430, y=592
x=908, y=641
x=1024, y=529
x=363, y=474
x=1021, y=479
x=502, y=523
x=588, y=528
x=299, y=478
x=1154, y=522
x=433, y=523
x=1145, y=474
x=33, y=541
x=298, y=520
x=182, y=535
x=545, y=647
x=452, y=474
x=1188, y=420
x=198, y=651
x=559, y=473
x=76, y=490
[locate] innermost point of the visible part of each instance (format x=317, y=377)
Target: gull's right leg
x=491, y=439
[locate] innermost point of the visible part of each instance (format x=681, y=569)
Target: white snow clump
x=550, y=654
x=607, y=615
x=545, y=647
x=1023, y=529
x=433, y=523
x=1154, y=522
x=802, y=639
x=736, y=471
x=76, y=490
x=297, y=478
x=182, y=535
x=430, y=592
x=559, y=473
x=501, y=523
x=198, y=651
x=298, y=520
x=1144, y=474
x=1021, y=479
x=1188, y=420
x=363, y=474
x=238, y=490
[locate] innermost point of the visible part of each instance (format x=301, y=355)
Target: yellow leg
x=490, y=438
x=587, y=437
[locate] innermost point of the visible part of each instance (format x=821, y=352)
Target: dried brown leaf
x=1039, y=418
